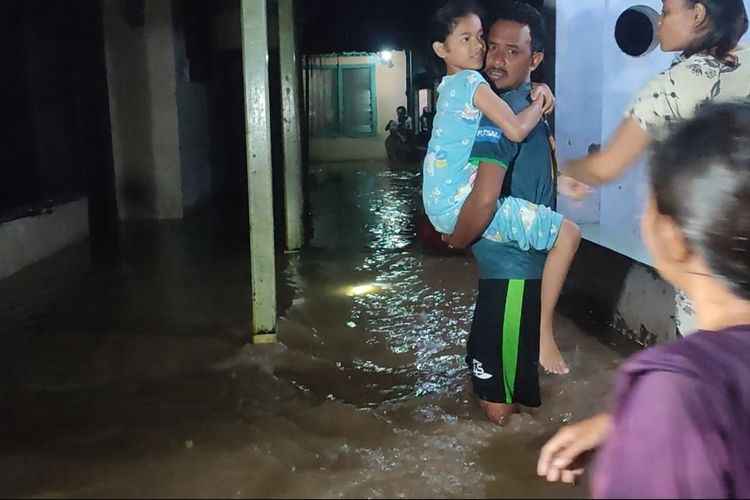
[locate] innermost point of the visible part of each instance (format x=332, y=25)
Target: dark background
x=336, y=25
x=55, y=138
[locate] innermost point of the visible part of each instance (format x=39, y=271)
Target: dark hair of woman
x=727, y=23
x=701, y=179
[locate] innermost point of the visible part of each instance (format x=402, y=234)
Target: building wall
x=228, y=29
x=611, y=289
x=195, y=148
x=624, y=76
x=595, y=82
x=143, y=105
x=390, y=87
x=55, y=166
x=599, y=87
x=30, y=239
x=193, y=109
x=578, y=89
x=345, y=148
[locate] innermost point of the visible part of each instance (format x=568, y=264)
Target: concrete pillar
x=142, y=82
x=291, y=126
x=259, y=173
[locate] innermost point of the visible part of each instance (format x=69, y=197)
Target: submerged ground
x=129, y=375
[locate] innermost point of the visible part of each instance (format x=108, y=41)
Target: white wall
x=30, y=239
x=595, y=82
x=623, y=77
x=143, y=106
x=578, y=87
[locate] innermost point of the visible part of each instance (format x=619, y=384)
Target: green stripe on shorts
x=511, y=335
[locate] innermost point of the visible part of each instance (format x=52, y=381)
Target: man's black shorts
x=503, y=346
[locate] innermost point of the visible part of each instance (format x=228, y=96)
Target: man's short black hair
x=522, y=13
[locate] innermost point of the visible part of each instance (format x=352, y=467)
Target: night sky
x=328, y=26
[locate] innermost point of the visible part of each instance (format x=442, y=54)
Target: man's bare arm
x=480, y=206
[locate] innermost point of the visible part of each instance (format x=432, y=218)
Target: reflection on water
x=135, y=380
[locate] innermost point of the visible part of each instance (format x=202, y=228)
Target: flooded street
x=131, y=376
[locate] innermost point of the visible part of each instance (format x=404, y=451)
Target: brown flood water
x=130, y=376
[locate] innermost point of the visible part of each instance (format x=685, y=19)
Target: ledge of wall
x=345, y=149
x=28, y=240
x=606, y=287
x=618, y=241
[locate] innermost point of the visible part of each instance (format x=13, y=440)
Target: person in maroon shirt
x=680, y=422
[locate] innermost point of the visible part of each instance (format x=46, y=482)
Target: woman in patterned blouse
x=710, y=67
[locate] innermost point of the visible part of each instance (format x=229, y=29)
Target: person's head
x=401, y=111
x=697, y=222
x=515, y=45
x=701, y=26
x=457, y=35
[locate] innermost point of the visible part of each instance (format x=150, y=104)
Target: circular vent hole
x=635, y=31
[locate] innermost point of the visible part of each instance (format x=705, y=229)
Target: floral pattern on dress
x=674, y=94
x=470, y=113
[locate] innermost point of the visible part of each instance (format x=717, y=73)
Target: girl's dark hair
x=443, y=22
x=445, y=18
x=727, y=23
x=701, y=178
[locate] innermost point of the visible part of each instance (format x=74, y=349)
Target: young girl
x=681, y=421
x=449, y=177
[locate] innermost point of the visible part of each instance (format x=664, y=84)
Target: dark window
x=342, y=101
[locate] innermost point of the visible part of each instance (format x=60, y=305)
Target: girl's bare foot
x=550, y=357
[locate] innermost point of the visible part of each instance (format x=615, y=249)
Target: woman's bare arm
x=626, y=146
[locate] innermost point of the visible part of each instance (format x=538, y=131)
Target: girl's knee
x=570, y=234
